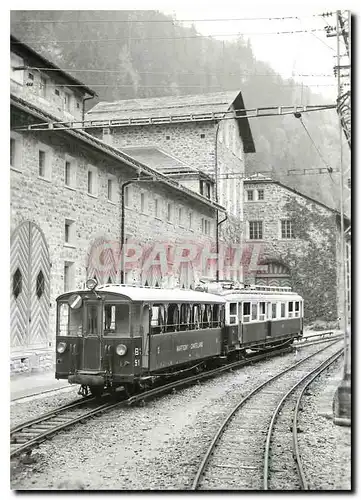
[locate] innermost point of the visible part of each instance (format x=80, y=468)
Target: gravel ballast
x=158, y=446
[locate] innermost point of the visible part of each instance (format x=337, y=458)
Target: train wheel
x=96, y=390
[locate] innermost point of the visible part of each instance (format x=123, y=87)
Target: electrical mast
x=342, y=71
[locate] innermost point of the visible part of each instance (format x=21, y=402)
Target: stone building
x=293, y=240
x=66, y=208
x=200, y=130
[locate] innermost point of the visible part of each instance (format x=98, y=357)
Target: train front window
x=116, y=319
x=70, y=321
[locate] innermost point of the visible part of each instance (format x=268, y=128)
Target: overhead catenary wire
x=200, y=37
x=81, y=21
x=236, y=73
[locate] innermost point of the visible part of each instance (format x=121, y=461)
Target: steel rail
x=301, y=473
x=323, y=365
x=50, y=414
x=132, y=400
x=226, y=421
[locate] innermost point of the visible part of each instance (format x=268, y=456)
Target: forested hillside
x=137, y=54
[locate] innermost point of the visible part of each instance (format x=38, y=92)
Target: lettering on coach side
x=197, y=345
x=183, y=347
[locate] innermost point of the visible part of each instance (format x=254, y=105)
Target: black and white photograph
x=180, y=247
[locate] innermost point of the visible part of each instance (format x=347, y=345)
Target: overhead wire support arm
x=193, y=117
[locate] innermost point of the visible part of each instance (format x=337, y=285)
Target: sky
x=310, y=53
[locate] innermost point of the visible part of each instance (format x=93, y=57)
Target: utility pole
x=342, y=70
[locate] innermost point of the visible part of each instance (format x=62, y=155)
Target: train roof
x=148, y=294
x=260, y=296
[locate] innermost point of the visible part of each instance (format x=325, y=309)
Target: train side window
x=254, y=311
x=196, y=316
x=283, y=310
x=157, y=319
x=207, y=316
x=274, y=311
x=246, y=312
x=262, y=311
x=290, y=309
x=297, y=309
x=233, y=316
x=216, y=317
x=185, y=317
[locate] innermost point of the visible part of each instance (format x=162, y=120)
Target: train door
x=93, y=336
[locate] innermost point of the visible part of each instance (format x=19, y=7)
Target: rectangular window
x=17, y=75
x=70, y=173
x=274, y=311
x=283, y=310
x=12, y=152
x=287, y=229
x=16, y=144
x=254, y=312
x=43, y=85
x=42, y=165
x=246, y=311
x=190, y=220
x=69, y=236
x=233, y=315
x=110, y=190
x=262, y=311
x=68, y=276
x=260, y=194
x=67, y=173
x=297, y=309
x=249, y=195
x=156, y=207
x=116, y=320
x=180, y=216
x=92, y=181
x=143, y=203
x=67, y=102
x=290, y=309
x=255, y=230
x=169, y=212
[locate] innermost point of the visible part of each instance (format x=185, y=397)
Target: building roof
x=259, y=178
x=116, y=154
x=24, y=49
x=159, y=159
x=184, y=108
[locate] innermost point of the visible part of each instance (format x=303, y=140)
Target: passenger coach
x=115, y=335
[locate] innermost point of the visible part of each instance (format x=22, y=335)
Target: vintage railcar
x=118, y=335
x=261, y=316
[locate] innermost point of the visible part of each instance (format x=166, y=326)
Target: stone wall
x=311, y=256
x=48, y=202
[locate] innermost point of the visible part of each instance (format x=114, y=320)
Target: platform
x=34, y=383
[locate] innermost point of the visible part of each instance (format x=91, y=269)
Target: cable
x=166, y=85
x=169, y=38
x=35, y=21
x=329, y=169
x=167, y=72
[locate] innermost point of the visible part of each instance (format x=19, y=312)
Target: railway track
x=238, y=456
x=29, y=434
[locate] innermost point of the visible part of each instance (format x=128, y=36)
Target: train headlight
x=121, y=350
x=91, y=283
x=61, y=347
